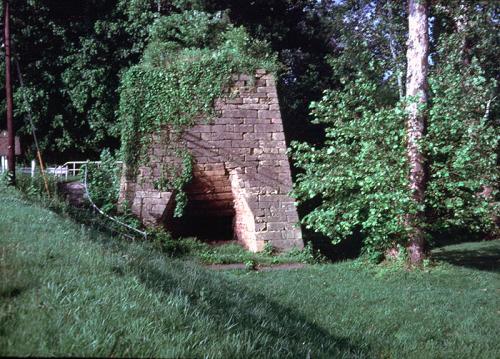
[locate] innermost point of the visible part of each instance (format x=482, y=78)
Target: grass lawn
x=67, y=290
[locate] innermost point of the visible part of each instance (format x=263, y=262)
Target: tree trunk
x=416, y=92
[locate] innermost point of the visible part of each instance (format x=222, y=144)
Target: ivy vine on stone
x=186, y=66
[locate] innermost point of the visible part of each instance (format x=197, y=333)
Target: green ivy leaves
x=186, y=66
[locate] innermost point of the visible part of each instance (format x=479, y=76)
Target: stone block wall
x=240, y=169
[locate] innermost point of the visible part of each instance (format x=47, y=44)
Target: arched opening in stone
x=209, y=214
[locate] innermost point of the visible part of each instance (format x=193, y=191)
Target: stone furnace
x=241, y=174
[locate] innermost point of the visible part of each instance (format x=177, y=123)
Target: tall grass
x=70, y=290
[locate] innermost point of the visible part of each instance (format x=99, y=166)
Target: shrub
x=461, y=145
x=103, y=182
x=359, y=176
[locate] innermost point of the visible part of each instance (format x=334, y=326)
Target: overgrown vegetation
x=32, y=189
x=230, y=253
x=68, y=290
x=186, y=66
x=462, y=146
x=71, y=285
x=360, y=175
x=73, y=56
x=103, y=181
x=182, y=53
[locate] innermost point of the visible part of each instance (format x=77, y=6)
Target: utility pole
x=11, y=154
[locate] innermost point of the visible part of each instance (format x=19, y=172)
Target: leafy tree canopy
x=359, y=176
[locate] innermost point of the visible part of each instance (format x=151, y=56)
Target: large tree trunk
x=416, y=91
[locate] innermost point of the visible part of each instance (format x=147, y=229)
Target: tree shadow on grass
x=486, y=259
x=219, y=298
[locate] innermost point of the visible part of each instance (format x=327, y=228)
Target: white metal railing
x=71, y=168
x=67, y=169
x=74, y=168
x=3, y=164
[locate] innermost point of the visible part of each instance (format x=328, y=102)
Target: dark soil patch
x=263, y=268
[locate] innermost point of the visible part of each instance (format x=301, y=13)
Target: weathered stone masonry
x=240, y=169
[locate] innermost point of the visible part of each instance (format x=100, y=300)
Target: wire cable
x=87, y=193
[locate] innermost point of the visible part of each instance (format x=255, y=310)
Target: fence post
x=2, y=166
x=33, y=166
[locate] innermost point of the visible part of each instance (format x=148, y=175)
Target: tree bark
x=416, y=92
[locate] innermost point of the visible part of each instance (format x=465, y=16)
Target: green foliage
x=173, y=178
x=34, y=188
x=478, y=36
x=175, y=84
x=224, y=254
x=230, y=253
x=356, y=183
x=462, y=145
x=185, y=68
x=163, y=241
x=235, y=253
x=180, y=181
x=188, y=29
x=71, y=57
x=4, y=180
x=306, y=255
x=103, y=182
x=268, y=249
x=250, y=264
x=360, y=174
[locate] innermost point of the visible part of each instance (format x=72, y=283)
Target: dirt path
x=74, y=192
